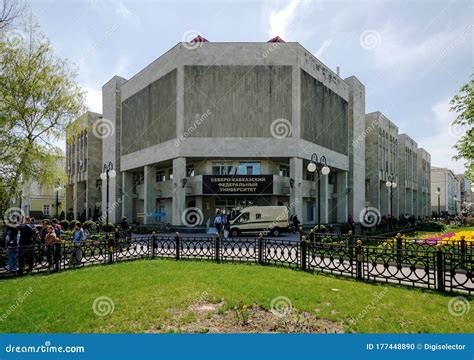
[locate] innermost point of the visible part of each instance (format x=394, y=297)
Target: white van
x=260, y=219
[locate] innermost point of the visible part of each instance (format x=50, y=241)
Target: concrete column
x=180, y=102
x=296, y=102
x=356, y=177
x=296, y=194
x=342, y=196
x=149, y=195
x=384, y=199
x=111, y=110
x=75, y=200
x=179, y=193
x=127, y=195
x=324, y=199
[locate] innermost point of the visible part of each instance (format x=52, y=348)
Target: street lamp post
x=321, y=167
x=391, y=184
x=57, y=201
x=438, y=192
x=108, y=172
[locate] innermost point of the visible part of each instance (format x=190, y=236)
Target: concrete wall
x=324, y=115
x=240, y=101
x=154, y=108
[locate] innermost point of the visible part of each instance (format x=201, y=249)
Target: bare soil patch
x=206, y=317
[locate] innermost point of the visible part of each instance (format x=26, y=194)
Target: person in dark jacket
x=12, y=244
x=26, y=245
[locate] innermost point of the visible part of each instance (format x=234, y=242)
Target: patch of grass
x=143, y=292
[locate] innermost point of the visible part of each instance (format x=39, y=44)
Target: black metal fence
x=446, y=268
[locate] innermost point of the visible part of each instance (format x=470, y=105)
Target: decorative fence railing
x=445, y=268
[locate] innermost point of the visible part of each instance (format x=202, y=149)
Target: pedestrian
x=26, y=246
x=124, y=225
x=296, y=223
x=226, y=225
x=218, y=222
x=44, y=230
x=12, y=242
x=77, y=238
x=51, y=241
x=57, y=228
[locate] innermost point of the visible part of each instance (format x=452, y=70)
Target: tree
x=9, y=11
x=39, y=97
x=463, y=105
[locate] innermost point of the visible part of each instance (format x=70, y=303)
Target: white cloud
x=280, y=20
x=93, y=99
x=123, y=10
x=440, y=144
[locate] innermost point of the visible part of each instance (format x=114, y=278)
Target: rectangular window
x=46, y=210
x=284, y=170
x=222, y=169
x=170, y=174
x=249, y=168
x=160, y=176
x=190, y=170
x=309, y=176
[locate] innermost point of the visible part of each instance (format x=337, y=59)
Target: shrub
x=109, y=227
x=90, y=225
x=345, y=228
x=64, y=224
x=432, y=226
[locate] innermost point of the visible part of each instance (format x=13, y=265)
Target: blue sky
x=412, y=56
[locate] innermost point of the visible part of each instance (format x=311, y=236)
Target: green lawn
x=144, y=291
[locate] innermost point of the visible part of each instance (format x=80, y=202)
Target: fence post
x=350, y=244
x=303, y=245
x=111, y=248
x=440, y=267
x=359, y=259
x=260, y=249
x=153, y=245
x=399, y=246
x=217, y=244
x=463, y=248
x=178, y=245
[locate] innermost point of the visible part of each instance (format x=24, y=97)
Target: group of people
x=222, y=224
x=26, y=242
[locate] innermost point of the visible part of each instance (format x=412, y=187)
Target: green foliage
x=135, y=285
x=109, y=227
x=463, y=105
x=431, y=226
x=39, y=97
x=90, y=225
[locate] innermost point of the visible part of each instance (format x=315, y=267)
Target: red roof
x=199, y=38
x=276, y=39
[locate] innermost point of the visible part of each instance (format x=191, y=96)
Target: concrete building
x=444, y=190
x=210, y=126
x=83, y=166
x=465, y=205
x=424, y=183
x=408, y=175
x=41, y=202
x=381, y=163
x=253, y=116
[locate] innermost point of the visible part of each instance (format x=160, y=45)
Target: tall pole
x=439, y=206
x=107, y=201
x=57, y=204
x=319, y=200
x=391, y=202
